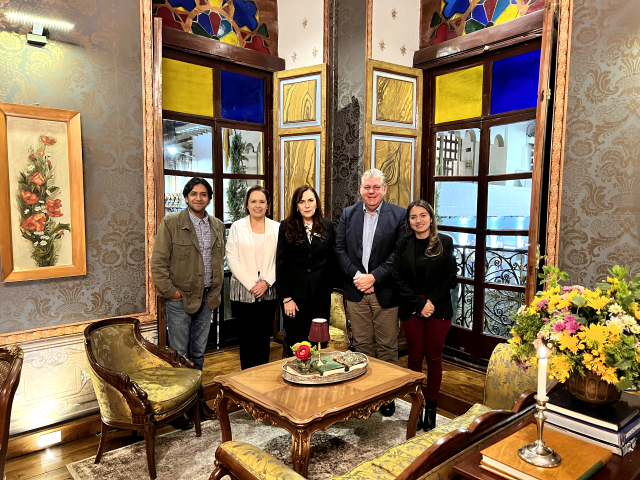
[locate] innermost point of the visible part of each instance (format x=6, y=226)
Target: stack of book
x=580, y=460
x=615, y=427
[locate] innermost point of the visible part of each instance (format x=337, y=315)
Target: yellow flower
x=532, y=310
x=533, y=361
x=598, y=303
x=595, y=333
x=567, y=341
x=515, y=340
x=559, y=368
x=636, y=310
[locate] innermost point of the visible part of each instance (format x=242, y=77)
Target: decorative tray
x=347, y=358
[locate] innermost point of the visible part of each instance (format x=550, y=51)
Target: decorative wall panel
x=95, y=69
x=300, y=114
x=600, y=184
x=250, y=24
x=395, y=156
x=459, y=95
x=392, y=128
x=299, y=166
x=443, y=20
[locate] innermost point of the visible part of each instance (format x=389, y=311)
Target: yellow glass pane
x=394, y=159
x=299, y=102
x=187, y=88
x=299, y=167
x=394, y=100
x=459, y=95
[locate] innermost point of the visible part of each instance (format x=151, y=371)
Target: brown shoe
x=207, y=413
x=183, y=422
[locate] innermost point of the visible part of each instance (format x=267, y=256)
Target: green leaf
x=604, y=286
x=624, y=364
x=625, y=384
x=578, y=301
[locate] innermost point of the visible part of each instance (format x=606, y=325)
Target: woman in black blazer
x=424, y=272
x=305, y=264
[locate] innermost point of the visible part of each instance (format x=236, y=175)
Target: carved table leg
x=300, y=452
x=417, y=403
x=220, y=405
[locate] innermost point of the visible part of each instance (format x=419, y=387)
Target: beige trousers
x=374, y=329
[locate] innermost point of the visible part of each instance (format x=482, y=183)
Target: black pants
x=256, y=326
x=297, y=328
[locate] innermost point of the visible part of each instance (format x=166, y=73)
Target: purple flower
x=564, y=310
x=521, y=365
x=571, y=325
x=546, y=320
x=558, y=326
x=543, y=303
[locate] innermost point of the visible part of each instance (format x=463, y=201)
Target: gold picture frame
x=42, y=232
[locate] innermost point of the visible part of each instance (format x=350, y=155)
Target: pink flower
x=543, y=303
x=537, y=343
x=558, y=326
x=571, y=325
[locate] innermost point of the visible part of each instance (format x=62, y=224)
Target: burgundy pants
x=425, y=339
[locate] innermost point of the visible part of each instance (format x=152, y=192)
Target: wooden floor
x=460, y=389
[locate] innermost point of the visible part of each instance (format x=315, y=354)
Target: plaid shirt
x=203, y=232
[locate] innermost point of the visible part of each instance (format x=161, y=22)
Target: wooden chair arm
x=168, y=354
x=135, y=397
x=454, y=442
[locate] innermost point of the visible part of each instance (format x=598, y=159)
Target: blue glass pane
x=515, y=82
x=242, y=97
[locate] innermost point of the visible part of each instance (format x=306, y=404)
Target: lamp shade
x=319, y=331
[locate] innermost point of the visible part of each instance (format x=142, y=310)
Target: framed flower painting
x=41, y=194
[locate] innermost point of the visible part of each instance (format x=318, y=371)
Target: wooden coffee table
x=305, y=409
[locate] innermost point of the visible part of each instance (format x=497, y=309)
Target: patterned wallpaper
x=94, y=69
x=347, y=75
x=301, y=32
x=600, y=211
x=249, y=24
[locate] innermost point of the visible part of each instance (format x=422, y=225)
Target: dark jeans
x=189, y=332
x=256, y=326
x=425, y=339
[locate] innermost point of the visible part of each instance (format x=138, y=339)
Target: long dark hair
x=434, y=248
x=294, y=225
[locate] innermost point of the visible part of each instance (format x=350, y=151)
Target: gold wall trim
x=284, y=131
x=147, y=98
x=370, y=128
x=559, y=131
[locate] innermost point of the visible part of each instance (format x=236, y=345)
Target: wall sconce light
x=38, y=35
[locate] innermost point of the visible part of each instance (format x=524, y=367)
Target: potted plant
x=303, y=352
x=594, y=335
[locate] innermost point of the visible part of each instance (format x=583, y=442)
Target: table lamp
x=319, y=333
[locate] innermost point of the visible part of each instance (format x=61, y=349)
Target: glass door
x=479, y=178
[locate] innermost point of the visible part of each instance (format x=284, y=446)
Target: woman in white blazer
x=251, y=257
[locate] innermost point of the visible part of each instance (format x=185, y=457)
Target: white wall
x=395, y=33
x=301, y=42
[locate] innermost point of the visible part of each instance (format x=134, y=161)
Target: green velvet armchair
x=508, y=398
x=139, y=385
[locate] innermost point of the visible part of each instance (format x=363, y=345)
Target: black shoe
x=420, y=425
x=430, y=415
x=182, y=423
x=207, y=413
x=389, y=409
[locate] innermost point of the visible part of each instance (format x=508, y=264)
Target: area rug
x=182, y=455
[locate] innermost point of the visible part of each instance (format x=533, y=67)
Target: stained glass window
x=242, y=97
x=515, y=82
x=187, y=88
x=459, y=95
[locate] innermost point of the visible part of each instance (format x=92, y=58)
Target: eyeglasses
x=375, y=188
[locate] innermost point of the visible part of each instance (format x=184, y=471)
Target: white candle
x=542, y=374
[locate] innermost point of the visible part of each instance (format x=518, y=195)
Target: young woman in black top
x=305, y=265
x=424, y=272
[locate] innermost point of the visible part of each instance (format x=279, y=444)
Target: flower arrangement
x=36, y=197
x=596, y=330
x=303, y=352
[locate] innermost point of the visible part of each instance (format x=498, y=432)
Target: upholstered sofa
x=428, y=456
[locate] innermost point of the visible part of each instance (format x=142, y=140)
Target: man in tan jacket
x=187, y=268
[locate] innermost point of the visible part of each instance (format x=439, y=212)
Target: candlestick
x=542, y=374
x=538, y=453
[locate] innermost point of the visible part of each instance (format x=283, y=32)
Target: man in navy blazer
x=365, y=241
